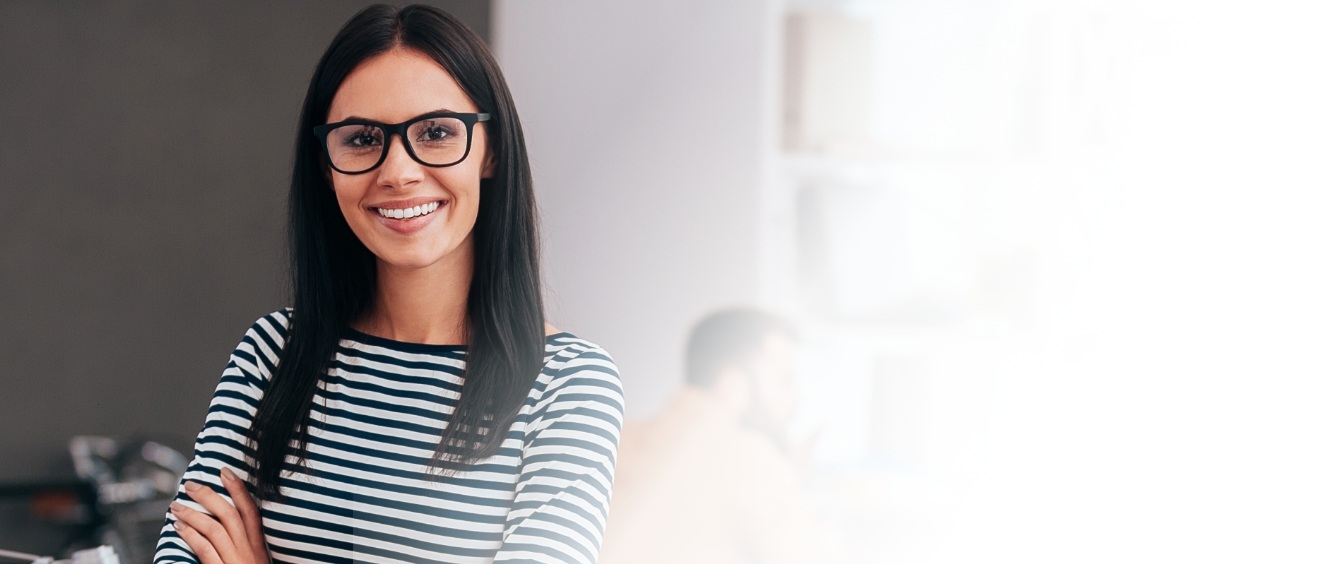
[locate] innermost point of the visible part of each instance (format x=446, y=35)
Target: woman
x=412, y=405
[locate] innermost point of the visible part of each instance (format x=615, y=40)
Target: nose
x=399, y=169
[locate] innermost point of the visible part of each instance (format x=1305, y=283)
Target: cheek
x=349, y=194
x=464, y=186
x=474, y=200
x=348, y=189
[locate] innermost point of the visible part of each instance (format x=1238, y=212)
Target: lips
x=407, y=209
x=408, y=216
x=408, y=213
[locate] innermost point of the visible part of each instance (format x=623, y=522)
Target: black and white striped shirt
x=375, y=424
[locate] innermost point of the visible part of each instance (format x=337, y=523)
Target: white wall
x=644, y=124
x=1135, y=183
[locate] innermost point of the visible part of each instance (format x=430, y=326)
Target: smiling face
x=409, y=215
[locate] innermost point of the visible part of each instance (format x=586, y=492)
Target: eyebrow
x=442, y=110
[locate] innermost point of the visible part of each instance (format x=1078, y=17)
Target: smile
x=408, y=213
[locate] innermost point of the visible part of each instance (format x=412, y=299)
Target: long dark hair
x=334, y=275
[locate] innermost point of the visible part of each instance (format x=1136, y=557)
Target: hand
x=233, y=535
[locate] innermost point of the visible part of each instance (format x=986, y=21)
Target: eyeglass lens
x=438, y=141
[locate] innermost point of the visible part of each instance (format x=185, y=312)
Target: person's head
x=391, y=65
x=409, y=214
x=745, y=356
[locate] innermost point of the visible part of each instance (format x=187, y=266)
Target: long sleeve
x=221, y=442
x=562, y=496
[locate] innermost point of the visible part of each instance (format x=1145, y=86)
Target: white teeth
x=409, y=213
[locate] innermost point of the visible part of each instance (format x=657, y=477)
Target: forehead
x=395, y=86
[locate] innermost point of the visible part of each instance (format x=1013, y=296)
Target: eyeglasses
x=436, y=139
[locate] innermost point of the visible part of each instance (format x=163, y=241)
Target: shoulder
x=259, y=350
x=577, y=372
x=274, y=325
x=269, y=331
x=567, y=351
x=574, y=360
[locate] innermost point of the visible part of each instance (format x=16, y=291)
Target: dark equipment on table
x=116, y=506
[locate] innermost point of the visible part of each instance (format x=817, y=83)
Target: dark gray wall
x=144, y=158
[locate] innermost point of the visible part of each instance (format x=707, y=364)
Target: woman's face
x=394, y=87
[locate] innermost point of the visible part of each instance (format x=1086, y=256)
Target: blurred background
x=1054, y=264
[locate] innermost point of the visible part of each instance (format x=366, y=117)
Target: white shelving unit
x=908, y=309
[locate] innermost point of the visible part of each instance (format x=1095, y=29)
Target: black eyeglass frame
x=401, y=129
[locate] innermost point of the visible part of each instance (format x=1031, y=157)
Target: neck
x=422, y=305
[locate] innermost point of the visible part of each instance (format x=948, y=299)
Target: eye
x=435, y=134
x=363, y=139
x=360, y=137
x=435, y=131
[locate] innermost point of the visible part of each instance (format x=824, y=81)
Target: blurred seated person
x=710, y=479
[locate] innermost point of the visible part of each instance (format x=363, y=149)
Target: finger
x=248, y=510
x=206, y=525
x=222, y=509
x=197, y=542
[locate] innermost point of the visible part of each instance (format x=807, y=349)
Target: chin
x=417, y=251
x=410, y=261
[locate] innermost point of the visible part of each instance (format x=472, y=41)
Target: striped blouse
x=375, y=423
